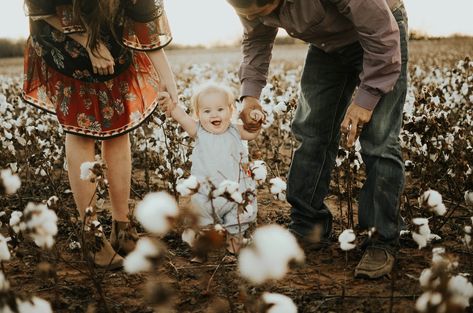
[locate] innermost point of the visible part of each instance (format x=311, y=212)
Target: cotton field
x=42, y=237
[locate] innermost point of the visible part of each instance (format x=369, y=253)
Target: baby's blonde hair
x=211, y=87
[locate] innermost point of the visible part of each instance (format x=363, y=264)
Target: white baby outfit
x=219, y=157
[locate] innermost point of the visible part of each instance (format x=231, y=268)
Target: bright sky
x=213, y=21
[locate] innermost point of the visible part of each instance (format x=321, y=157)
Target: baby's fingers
x=257, y=115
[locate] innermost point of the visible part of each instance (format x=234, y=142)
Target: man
x=351, y=43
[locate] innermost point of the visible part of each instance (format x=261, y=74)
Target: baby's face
x=214, y=112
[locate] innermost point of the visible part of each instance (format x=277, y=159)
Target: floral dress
x=58, y=74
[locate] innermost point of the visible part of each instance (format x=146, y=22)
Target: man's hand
x=252, y=114
x=352, y=125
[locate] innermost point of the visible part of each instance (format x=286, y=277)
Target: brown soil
x=325, y=283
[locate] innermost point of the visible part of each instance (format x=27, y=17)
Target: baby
x=218, y=155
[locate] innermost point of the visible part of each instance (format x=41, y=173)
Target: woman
x=99, y=66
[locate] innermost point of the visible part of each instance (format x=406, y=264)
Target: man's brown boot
x=123, y=237
x=376, y=262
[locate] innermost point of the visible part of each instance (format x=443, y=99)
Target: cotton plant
x=10, y=303
x=157, y=212
x=469, y=198
x=9, y=182
x=144, y=256
x=432, y=200
x=347, y=239
x=258, y=171
x=92, y=170
x=278, y=303
x=442, y=290
x=38, y=222
x=230, y=190
x=269, y=254
x=188, y=186
x=278, y=188
x=4, y=251
x=41, y=225
x=467, y=229
x=423, y=235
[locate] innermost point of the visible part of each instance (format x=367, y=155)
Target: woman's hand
x=101, y=59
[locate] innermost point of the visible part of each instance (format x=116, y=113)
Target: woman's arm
x=101, y=58
x=161, y=64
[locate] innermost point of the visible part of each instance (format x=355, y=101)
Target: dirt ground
x=325, y=283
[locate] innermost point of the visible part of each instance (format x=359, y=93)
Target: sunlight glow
x=195, y=22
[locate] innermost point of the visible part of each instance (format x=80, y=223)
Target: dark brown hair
x=95, y=15
x=248, y=3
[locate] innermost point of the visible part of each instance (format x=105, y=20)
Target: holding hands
x=166, y=103
x=252, y=114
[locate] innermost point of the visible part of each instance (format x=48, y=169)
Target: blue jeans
x=327, y=85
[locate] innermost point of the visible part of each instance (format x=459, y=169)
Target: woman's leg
x=117, y=155
x=79, y=150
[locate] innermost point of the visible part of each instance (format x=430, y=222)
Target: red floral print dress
x=59, y=79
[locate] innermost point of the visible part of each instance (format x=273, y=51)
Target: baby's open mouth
x=216, y=123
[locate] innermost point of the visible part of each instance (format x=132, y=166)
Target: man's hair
x=248, y=3
x=208, y=88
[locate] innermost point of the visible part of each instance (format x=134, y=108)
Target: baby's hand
x=257, y=115
x=165, y=102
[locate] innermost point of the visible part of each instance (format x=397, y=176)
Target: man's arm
x=379, y=36
x=257, y=46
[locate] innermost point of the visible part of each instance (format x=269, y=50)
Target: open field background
x=437, y=144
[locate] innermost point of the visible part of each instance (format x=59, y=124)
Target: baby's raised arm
x=256, y=115
x=177, y=113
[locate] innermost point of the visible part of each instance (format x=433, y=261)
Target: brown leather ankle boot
x=107, y=257
x=123, y=237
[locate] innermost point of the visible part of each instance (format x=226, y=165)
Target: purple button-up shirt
x=328, y=25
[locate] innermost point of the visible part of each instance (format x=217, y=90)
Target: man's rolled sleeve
x=380, y=38
x=366, y=100
x=257, y=45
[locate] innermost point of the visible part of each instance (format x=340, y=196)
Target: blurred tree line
x=11, y=48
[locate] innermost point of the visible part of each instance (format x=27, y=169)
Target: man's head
x=252, y=9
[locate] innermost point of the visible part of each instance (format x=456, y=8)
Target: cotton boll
x=278, y=188
x=469, y=197
x=251, y=267
x=156, y=212
x=280, y=303
x=259, y=171
x=268, y=256
x=42, y=225
x=10, y=181
x=15, y=221
x=230, y=188
x=4, y=251
x=35, y=305
x=188, y=186
x=346, y=239
x=139, y=260
x=420, y=240
x=4, y=284
x=135, y=263
x=461, y=289
x=86, y=171
x=432, y=199
x=189, y=236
